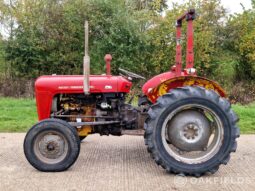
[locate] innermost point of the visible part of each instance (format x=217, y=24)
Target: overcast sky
x=233, y=6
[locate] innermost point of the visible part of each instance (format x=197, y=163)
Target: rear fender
x=182, y=81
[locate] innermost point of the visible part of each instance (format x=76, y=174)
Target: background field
x=18, y=115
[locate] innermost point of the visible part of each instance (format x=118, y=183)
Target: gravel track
x=119, y=163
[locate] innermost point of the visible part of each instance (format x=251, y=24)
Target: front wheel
x=52, y=145
x=191, y=131
x=82, y=138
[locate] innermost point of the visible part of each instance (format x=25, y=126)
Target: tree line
x=47, y=36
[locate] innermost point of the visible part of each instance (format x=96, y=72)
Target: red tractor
x=187, y=122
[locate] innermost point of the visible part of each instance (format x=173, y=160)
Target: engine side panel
x=95, y=113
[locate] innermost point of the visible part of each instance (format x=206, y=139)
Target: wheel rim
x=191, y=155
x=50, y=147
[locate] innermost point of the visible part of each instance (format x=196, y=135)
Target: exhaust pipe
x=86, y=60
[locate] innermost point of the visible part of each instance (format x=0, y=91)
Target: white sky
x=233, y=6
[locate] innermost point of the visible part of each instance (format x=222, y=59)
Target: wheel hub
x=51, y=147
x=189, y=131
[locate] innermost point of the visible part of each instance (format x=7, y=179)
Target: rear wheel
x=191, y=131
x=52, y=145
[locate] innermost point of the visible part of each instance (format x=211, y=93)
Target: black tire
x=62, y=128
x=177, y=98
x=82, y=137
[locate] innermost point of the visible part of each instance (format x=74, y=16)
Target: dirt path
x=119, y=163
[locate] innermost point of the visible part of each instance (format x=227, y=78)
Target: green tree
x=239, y=38
x=2, y=62
x=49, y=37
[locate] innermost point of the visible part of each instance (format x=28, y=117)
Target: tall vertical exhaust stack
x=86, y=60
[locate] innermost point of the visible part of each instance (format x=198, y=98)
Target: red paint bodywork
x=46, y=87
x=108, y=59
x=189, y=51
x=156, y=80
x=178, y=55
x=183, y=81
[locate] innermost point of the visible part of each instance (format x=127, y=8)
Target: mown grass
x=246, y=117
x=18, y=115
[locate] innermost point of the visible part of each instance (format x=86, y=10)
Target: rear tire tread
x=172, y=97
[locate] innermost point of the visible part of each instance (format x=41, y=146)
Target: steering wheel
x=131, y=74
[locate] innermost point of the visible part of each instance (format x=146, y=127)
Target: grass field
x=18, y=115
x=247, y=117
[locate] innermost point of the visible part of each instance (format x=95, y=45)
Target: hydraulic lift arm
x=189, y=16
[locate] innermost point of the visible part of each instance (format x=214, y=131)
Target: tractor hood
x=74, y=84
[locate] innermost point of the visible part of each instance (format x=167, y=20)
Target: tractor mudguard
x=182, y=81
